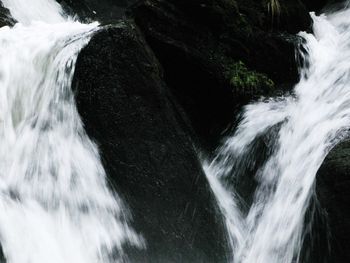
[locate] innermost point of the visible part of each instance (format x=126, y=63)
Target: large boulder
x=201, y=45
x=333, y=184
x=145, y=148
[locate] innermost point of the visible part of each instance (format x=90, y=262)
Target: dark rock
x=333, y=184
x=2, y=256
x=316, y=246
x=5, y=17
x=104, y=11
x=315, y=5
x=145, y=149
x=193, y=67
x=289, y=16
x=197, y=42
x=293, y=17
x=320, y=6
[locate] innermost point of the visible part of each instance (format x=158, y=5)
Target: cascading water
x=54, y=202
x=309, y=124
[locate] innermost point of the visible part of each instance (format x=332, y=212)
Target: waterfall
x=55, y=205
x=307, y=125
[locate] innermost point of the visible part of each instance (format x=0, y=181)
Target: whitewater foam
x=55, y=205
x=309, y=123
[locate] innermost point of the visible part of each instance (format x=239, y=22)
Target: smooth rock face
x=333, y=184
x=145, y=149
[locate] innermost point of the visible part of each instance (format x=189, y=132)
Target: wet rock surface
x=146, y=150
x=104, y=11
x=199, y=42
x=333, y=183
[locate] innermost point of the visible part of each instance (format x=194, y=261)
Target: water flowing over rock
x=303, y=128
x=55, y=204
x=102, y=128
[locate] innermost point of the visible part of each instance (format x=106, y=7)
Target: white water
x=310, y=123
x=25, y=12
x=54, y=202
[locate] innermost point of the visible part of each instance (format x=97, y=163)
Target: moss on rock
x=248, y=81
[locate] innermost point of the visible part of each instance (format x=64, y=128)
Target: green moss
x=245, y=80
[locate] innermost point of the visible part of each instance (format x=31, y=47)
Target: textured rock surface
x=333, y=186
x=197, y=42
x=104, y=11
x=145, y=149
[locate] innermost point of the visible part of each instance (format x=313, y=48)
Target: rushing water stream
x=55, y=205
x=308, y=123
